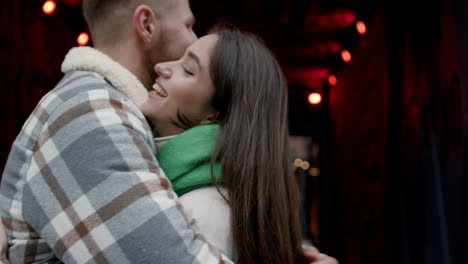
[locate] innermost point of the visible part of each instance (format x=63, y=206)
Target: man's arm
x=311, y=253
x=95, y=192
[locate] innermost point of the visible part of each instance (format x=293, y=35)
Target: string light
x=361, y=27
x=346, y=56
x=314, y=172
x=49, y=7
x=298, y=162
x=305, y=165
x=83, y=39
x=315, y=98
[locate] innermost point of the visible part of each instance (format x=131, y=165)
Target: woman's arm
x=313, y=256
x=3, y=244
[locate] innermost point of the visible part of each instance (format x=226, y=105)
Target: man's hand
x=313, y=256
x=3, y=244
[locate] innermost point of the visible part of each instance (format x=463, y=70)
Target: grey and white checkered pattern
x=81, y=184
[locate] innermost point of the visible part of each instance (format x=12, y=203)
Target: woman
x=231, y=79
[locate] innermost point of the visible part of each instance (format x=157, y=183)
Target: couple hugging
x=156, y=147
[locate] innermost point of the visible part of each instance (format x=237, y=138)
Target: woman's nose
x=163, y=70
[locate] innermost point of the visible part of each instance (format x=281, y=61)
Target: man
x=81, y=184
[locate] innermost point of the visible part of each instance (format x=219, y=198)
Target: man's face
x=176, y=32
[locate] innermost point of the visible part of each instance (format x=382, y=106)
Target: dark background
x=393, y=132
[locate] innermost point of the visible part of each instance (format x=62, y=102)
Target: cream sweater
x=210, y=211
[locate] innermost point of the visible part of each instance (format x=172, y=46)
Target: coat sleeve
x=95, y=193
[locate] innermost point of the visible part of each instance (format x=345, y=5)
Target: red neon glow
x=83, y=39
x=332, y=80
x=349, y=17
x=72, y=2
x=315, y=98
x=49, y=7
x=335, y=20
x=346, y=56
x=361, y=27
x=335, y=48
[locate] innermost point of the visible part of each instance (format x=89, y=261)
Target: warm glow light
x=305, y=165
x=346, y=56
x=49, y=7
x=315, y=98
x=298, y=162
x=83, y=39
x=361, y=27
x=314, y=172
x=332, y=80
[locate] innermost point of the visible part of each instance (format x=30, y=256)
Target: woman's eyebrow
x=195, y=58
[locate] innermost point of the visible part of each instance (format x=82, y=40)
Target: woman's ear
x=146, y=24
x=210, y=119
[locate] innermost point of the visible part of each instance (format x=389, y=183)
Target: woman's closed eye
x=187, y=71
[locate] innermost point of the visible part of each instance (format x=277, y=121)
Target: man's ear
x=146, y=24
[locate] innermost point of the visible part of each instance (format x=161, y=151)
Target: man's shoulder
x=75, y=83
x=83, y=97
x=85, y=88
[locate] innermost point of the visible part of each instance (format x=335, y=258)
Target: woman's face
x=183, y=89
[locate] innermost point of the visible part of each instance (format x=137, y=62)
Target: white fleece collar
x=90, y=59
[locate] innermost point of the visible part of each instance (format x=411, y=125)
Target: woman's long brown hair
x=251, y=96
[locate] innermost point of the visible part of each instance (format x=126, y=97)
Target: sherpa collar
x=90, y=59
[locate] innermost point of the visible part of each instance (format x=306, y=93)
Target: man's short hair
x=111, y=16
x=95, y=11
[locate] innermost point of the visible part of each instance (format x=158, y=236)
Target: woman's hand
x=313, y=256
x=3, y=244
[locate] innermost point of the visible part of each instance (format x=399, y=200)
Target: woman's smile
x=159, y=90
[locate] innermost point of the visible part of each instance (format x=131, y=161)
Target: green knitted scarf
x=186, y=159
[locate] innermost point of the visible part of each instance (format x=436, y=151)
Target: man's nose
x=194, y=37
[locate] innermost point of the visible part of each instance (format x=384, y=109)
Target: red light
x=346, y=56
x=361, y=27
x=83, y=39
x=315, y=98
x=332, y=80
x=49, y=7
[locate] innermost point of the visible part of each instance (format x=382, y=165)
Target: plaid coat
x=81, y=184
